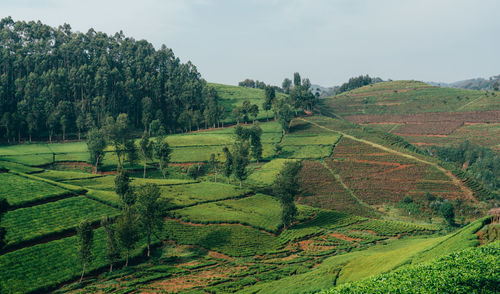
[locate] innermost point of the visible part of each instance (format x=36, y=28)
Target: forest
x=57, y=81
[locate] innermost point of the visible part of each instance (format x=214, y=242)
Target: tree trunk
x=144, y=176
x=96, y=164
x=111, y=267
x=240, y=184
x=30, y=137
x=79, y=135
x=126, y=261
x=215, y=177
x=83, y=272
x=149, y=242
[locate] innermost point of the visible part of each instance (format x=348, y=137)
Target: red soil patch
x=219, y=255
x=344, y=237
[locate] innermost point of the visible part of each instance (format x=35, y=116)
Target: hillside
x=218, y=237
x=422, y=114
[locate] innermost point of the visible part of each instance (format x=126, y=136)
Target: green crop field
x=25, y=224
x=459, y=272
x=259, y=211
x=266, y=174
x=19, y=190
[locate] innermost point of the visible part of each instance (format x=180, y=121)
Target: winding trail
x=468, y=192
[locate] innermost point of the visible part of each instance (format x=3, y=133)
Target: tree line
x=141, y=217
x=56, y=81
x=483, y=164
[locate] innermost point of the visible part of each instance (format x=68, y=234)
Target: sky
x=327, y=41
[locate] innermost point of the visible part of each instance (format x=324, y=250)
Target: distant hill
x=471, y=84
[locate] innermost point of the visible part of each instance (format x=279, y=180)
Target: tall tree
x=85, y=240
x=286, y=188
x=123, y=189
x=285, y=115
x=255, y=142
x=296, y=79
x=240, y=161
x=214, y=165
x=96, y=144
x=146, y=148
x=127, y=231
x=112, y=251
x=150, y=210
x=228, y=164
x=286, y=85
x=162, y=151
x=118, y=134
x=269, y=96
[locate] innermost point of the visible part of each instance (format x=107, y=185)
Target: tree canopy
x=56, y=81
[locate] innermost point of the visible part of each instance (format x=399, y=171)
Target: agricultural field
x=36, y=222
x=218, y=237
x=27, y=190
x=422, y=114
x=233, y=96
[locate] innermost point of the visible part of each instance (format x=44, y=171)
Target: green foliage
x=123, y=189
x=260, y=211
x=96, y=144
x=240, y=160
x=448, y=212
x=127, y=231
x=85, y=235
x=162, y=151
x=233, y=240
x=468, y=271
x=266, y=174
x=286, y=188
x=28, y=190
x=52, y=218
x=150, y=210
x=188, y=195
x=393, y=228
x=112, y=250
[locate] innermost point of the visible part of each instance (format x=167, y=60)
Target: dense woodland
x=56, y=81
x=481, y=163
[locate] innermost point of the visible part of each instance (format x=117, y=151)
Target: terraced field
x=222, y=238
x=422, y=114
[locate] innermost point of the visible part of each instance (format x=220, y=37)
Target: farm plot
x=378, y=177
x=392, y=228
x=191, y=194
x=259, y=211
x=31, y=223
x=266, y=174
x=19, y=167
x=321, y=189
x=40, y=267
x=19, y=190
x=61, y=176
x=41, y=154
x=233, y=240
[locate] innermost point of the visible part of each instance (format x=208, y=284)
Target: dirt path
x=468, y=192
x=339, y=179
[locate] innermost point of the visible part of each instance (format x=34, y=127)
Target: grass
x=259, y=211
x=19, y=167
x=27, y=190
x=32, y=223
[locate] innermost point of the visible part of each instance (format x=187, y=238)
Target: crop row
x=43, y=267
x=467, y=271
x=20, y=190
x=36, y=222
x=259, y=211
x=391, y=228
x=321, y=189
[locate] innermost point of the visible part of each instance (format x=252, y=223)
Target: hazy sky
x=325, y=40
